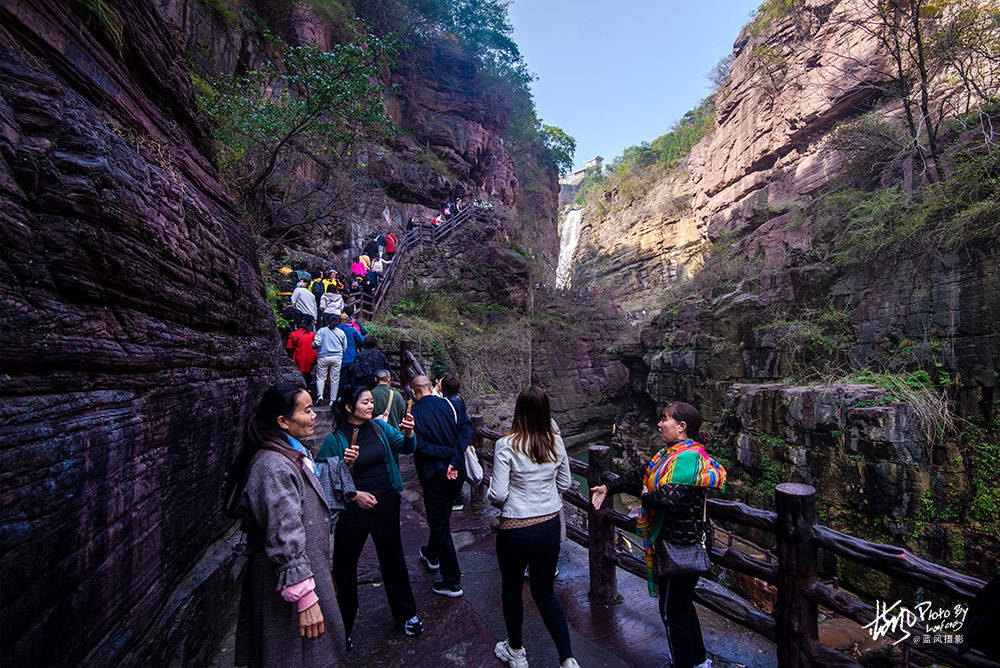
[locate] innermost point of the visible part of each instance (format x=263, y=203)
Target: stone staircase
x=366, y=305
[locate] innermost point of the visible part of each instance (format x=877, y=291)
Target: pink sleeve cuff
x=303, y=594
x=307, y=601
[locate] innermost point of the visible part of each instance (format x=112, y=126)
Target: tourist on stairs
x=354, y=341
x=303, y=353
x=390, y=242
x=530, y=473
x=673, y=487
x=287, y=615
x=441, y=438
x=303, y=300
x=375, y=510
x=368, y=361
x=371, y=248
x=389, y=404
x=332, y=302
x=331, y=344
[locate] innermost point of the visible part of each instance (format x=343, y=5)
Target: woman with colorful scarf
x=673, y=487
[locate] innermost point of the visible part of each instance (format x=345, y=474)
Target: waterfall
x=568, y=238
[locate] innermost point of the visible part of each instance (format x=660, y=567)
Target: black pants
x=681, y=620
x=350, y=536
x=536, y=547
x=439, y=496
x=307, y=376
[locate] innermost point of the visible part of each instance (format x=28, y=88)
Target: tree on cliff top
x=936, y=58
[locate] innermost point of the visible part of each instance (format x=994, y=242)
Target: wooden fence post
x=795, y=613
x=603, y=565
x=478, y=495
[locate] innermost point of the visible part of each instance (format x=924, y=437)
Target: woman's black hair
x=262, y=427
x=450, y=385
x=348, y=400
x=370, y=342
x=688, y=414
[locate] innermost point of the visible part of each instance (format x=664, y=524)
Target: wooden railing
x=367, y=304
x=793, y=626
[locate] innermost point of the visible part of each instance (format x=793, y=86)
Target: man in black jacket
x=441, y=436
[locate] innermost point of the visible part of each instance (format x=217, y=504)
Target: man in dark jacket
x=441, y=438
x=450, y=387
x=371, y=248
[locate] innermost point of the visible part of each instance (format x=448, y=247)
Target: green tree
x=485, y=27
x=919, y=46
x=306, y=99
x=559, y=146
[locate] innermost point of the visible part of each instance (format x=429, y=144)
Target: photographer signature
x=898, y=618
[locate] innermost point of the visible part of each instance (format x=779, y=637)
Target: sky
x=614, y=74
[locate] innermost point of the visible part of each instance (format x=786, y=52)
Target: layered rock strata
x=135, y=331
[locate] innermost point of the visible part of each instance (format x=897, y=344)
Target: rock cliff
x=135, y=331
x=449, y=144
x=753, y=308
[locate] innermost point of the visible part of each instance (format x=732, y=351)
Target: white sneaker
x=707, y=663
x=518, y=659
x=570, y=663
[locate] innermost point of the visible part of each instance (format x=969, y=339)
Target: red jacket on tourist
x=304, y=355
x=390, y=243
x=293, y=337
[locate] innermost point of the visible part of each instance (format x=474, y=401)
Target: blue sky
x=613, y=74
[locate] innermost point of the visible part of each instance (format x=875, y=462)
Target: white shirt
x=304, y=301
x=331, y=303
x=524, y=488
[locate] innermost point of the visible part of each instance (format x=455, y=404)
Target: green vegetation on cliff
x=483, y=344
x=631, y=174
x=303, y=109
x=884, y=224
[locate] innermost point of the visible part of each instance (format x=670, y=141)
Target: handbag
x=473, y=469
x=688, y=559
x=472, y=466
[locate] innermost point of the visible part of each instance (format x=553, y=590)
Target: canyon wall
x=754, y=314
x=449, y=144
x=135, y=331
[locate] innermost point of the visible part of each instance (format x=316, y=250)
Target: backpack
x=317, y=289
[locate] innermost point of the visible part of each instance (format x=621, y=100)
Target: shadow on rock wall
x=134, y=332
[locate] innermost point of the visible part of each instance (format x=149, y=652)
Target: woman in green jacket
x=369, y=447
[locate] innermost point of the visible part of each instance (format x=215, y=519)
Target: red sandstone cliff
x=733, y=336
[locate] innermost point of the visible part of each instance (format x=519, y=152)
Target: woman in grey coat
x=288, y=612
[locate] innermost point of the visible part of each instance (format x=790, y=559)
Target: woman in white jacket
x=331, y=303
x=530, y=473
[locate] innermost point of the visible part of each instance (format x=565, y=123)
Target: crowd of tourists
x=451, y=209
x=323, y=298
x=307, y=516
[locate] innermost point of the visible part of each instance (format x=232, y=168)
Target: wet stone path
x=462, y=631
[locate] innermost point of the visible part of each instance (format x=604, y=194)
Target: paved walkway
x=462, y=631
